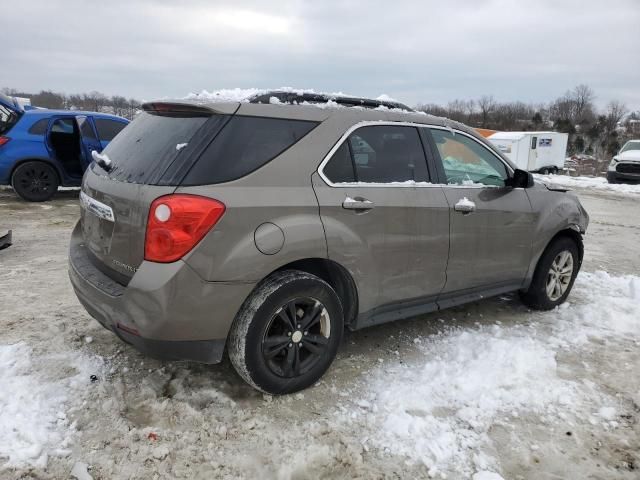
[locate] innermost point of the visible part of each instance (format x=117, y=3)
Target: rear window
x=244, y=145
x=107, y=129
x=150, y=145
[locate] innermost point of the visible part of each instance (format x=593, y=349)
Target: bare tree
x=583, y=97
x=487, y=105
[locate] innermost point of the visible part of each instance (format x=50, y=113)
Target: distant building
x=633, y=127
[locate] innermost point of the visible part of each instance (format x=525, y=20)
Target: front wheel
x=35, y=181
x=287, y=332
x=554, y=275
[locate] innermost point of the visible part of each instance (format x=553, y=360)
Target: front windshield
x=631, y=146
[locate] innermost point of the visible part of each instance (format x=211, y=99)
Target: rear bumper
x=166, y=311
x=617, y=177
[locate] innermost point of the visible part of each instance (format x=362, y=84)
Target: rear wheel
x=287, y=332
x=35, y=181
x=554, y=275
x=544, y=171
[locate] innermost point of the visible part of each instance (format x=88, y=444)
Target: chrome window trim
x=370, y=123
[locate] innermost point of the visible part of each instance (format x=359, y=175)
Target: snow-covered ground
x=589, y=183
x=486, y=391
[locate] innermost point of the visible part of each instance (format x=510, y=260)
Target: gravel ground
x=483, y=391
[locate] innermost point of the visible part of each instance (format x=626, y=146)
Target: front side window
x=467, y=162
x=86, y=129
x=379, y=154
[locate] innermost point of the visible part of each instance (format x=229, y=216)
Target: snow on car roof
x=305, y=96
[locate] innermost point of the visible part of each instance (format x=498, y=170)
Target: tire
x=275, y=355
x=538, y=296
x=35, y=181
x=544, y=171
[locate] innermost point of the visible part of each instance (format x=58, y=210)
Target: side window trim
x=345, y=138
x=352, y=158
x=434, y=163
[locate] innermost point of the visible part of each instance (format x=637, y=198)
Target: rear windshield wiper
x=103, y=160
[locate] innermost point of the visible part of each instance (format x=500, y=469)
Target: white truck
x=543, y=152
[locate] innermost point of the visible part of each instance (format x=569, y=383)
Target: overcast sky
x=414, y=51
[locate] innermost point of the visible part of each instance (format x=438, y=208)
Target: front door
x=88, y=140
x=491, y=224
x=380, y=223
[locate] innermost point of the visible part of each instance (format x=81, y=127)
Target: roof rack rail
x=295, y=97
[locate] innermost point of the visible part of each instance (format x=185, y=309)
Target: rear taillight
x=3, y=140
x=176, y=223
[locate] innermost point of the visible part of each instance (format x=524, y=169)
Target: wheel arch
x=46, y=160
x=570, y=231
x=335, y=275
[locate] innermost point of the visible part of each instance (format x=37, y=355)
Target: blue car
x=42, y=149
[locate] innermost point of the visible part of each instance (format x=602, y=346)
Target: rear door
x=372, y=206
x=491, y=224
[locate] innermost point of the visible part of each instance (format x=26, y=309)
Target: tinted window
x=40, y=127
x=467, y=162
x=149, y=145
x=385, y=154
x=340, y=168
x=244, y=145
x=85, y=128
x=107, y=129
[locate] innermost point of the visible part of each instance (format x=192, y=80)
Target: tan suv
x=263, y=228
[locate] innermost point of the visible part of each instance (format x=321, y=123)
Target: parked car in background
x=42, y=149
x=264, y=229
x=625, y=166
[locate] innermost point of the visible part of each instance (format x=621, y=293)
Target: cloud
x=415, y=51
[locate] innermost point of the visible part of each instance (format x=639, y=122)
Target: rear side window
x=107, y=129
x=379, y=154
x=340, y=168
x=244, y=145
x=40, y=127
x=149, y=145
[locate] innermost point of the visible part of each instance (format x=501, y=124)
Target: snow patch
x=438, y=411
x=589, y=183
x=33, y=418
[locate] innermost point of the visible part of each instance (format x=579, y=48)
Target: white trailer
x=543, y=152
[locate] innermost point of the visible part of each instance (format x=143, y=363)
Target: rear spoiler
x=182, y=108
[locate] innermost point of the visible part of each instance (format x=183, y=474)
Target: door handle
x=357, y=203
x=465, y=206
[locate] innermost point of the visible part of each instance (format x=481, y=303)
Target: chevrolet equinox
x=264, y=228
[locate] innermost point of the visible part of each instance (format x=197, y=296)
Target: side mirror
x=521, y=179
